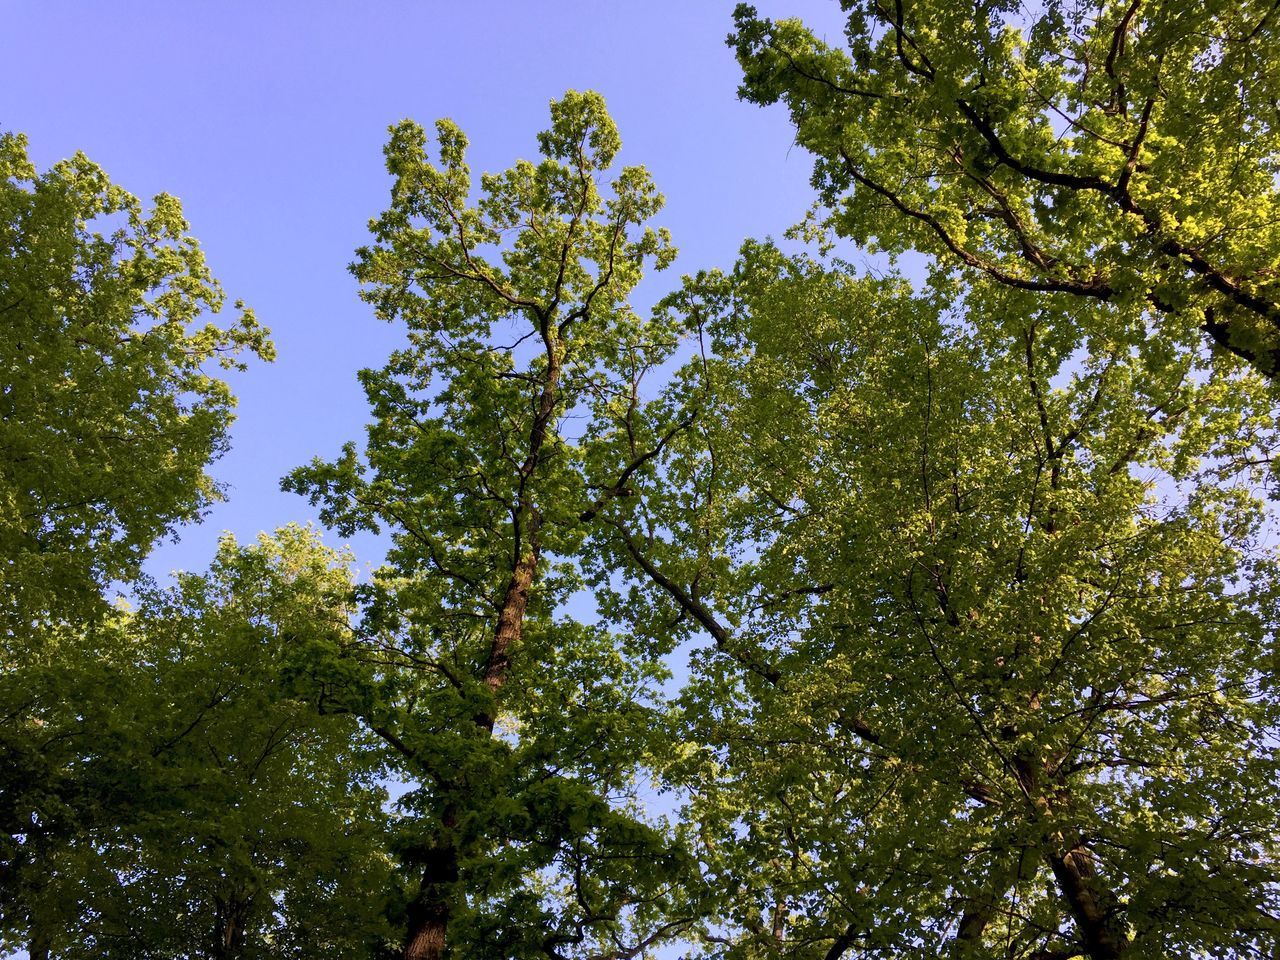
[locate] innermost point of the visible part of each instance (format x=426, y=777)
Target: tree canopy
x=990, y=618
x=822, y=611
x=1121, y=152
x=110, y=414
x=189, y=799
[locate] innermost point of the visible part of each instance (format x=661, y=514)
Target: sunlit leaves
x=110, y=412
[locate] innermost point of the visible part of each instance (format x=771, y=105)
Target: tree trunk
x=228, y=927
x=38, y=947
x=510, y=628
x=428, y=919
x=1073, y=871
x=429, y=913
x=979, y=911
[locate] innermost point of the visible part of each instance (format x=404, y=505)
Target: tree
x=521, y=731
x=215, y=812
x=1124, y=152
x=109, y=415
x=994, y=626
x=108, y=419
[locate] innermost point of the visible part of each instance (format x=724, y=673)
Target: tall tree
x=994, y=626
x=109, y=416
x=1123, y=152
x=520, y=730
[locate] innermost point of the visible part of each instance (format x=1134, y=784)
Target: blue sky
x=267, y=120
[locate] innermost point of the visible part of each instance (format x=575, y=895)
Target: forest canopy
x=832, y=607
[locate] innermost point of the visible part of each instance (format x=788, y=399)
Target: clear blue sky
x=267, y=119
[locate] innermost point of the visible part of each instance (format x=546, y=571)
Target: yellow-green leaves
x=1123, y=154
x=173, y=774
x=109, y=415
x=1013, y=611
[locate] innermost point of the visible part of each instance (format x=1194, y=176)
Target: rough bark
x=1073, y=871
x=38, y=947
x=229, y=927
x=429, y=913
x=980, y=910
x=509, y=630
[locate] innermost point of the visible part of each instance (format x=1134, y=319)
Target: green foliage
x=521, y=731
x=189, y=799
x=109, y=415
x=1034, y=627
x=983, y=563
x=1123, y=152
x=997, y=628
